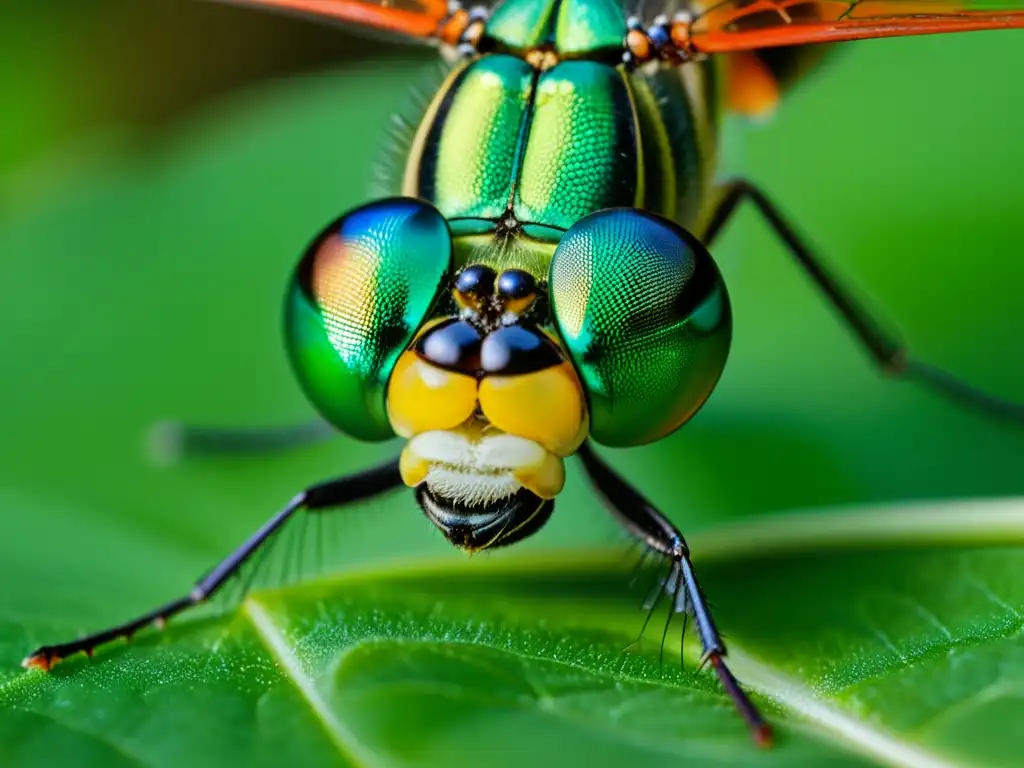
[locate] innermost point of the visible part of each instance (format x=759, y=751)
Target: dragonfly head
x=493, y=375
x=491, y=407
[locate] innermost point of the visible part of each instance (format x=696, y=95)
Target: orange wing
x=741, y=25
x=423, y=19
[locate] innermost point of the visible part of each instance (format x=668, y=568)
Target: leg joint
x=679, y=550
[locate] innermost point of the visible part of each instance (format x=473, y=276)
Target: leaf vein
x=277, y=644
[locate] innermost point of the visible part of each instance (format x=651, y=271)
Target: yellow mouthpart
x=477, y=441
x=423, y=397
x=546, y=406
x=475, y=464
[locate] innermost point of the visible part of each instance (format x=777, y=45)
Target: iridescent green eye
x=357, y=298
x=645, y=318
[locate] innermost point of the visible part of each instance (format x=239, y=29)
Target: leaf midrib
x=276, y=643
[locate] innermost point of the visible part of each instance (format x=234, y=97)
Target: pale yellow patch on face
x=477, y=464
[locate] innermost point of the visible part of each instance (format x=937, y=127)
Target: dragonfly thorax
x=513, y=150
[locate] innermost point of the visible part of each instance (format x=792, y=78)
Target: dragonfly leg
x=344, y=490
x=171, y=441
x=642, y=520
x=889, y=353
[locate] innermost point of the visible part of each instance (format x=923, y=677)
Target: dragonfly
x=541, y=279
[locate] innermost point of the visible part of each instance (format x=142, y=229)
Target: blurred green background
x=162, y=165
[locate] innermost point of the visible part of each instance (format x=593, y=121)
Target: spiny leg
x=888, y=353
x=334, y=493
x=641, y=519
x=172, y=441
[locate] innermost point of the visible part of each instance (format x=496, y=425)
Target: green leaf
x=914, y=659
x=152, y=288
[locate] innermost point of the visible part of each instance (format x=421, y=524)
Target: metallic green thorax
x=547, y=147
x=572, y=27
x=550, y=147
x=469, y=160
x=582, y=153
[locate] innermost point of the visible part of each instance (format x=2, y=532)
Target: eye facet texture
x=356, y=300
x=644, y=315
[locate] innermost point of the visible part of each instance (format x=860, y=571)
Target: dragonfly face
x=493, y=374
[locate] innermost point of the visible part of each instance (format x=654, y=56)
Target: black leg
x=646, y=523
x=887, y=352
x=333, y=493
x=171, y=441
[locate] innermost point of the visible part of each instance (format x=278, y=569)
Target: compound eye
x=644, y=316
x=363, y=288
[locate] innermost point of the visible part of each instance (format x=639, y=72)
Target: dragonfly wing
x=743, y=25
x=427, y=20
